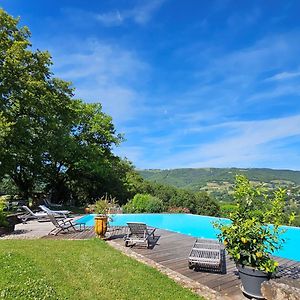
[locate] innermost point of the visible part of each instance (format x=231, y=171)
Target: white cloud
x=244, y=65
x=140, y=14
x=283, y=76
x=110, y=19
x=250, y=134
x=233, y=81
x=245, y=144
x=101, y=61
x=275, y=92
x=103, y=73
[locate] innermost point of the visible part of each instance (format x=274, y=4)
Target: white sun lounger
x=63, y=213
x=32, y=215
x=206, y=254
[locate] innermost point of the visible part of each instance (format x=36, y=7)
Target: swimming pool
x=197, y=226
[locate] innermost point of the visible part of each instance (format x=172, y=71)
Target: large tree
x=28, y=95
x=47, y=138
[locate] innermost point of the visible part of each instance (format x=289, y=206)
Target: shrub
x=3, y=220
x=143, y=203
x=178, y=210
x=183, y=198
x=205, y=205
x=226, y=209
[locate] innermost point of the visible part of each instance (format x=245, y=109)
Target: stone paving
x=30, y=230
x=33, y=229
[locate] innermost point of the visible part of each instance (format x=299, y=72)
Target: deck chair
x=50, y=204
x=32, y=215
x=63, y=213
x=206, y=254
x=64, y=225
x=139, y=233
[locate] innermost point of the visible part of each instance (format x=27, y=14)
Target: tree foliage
x=197, y=203
x=50, y=142
x=144, y=203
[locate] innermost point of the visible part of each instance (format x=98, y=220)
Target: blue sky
x=189, y=83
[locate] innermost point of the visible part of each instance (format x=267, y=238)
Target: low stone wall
x=281, y=289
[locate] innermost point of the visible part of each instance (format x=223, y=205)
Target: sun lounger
x=64, y=225
x=139, y=233
x=206, y=254
x=32, y=215
x=51, y=204
x=63, y=213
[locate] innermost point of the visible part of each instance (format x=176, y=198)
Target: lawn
x=90, y=269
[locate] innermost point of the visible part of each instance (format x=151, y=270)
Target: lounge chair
x=63, y=213
x=50, y=204
x=206, y=254
x=32, y=215
x=139, y=233
x=64, y=225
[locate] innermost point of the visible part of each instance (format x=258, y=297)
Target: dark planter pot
x=3, y=230
x=251, y=281
x=6, y=230
x=12, y=220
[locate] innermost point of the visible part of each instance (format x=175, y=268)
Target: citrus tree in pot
x=248, y=238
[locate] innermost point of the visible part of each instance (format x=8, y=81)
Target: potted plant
x=248, y=237
x=102, y=207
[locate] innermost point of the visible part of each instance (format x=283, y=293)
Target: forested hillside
x=219, y=181
x=196, y=178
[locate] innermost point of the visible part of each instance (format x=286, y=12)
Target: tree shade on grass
x=90, y=269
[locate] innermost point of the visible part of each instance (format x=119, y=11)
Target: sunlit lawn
x=90, y=269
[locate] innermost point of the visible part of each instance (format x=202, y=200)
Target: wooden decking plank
x=222, y=280
x=180, y=262
x=161, y=259
x=290, y=263
x=163, y=251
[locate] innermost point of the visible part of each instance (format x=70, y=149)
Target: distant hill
x=220, y=179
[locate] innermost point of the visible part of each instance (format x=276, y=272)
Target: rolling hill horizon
x=199, y=178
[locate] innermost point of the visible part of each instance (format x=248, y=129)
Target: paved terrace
x=169, y=252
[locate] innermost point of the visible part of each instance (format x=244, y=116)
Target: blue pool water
x=197, y=226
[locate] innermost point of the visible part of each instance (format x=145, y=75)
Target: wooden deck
x=171, y=250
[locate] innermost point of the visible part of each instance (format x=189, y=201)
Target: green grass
x=90, y=269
